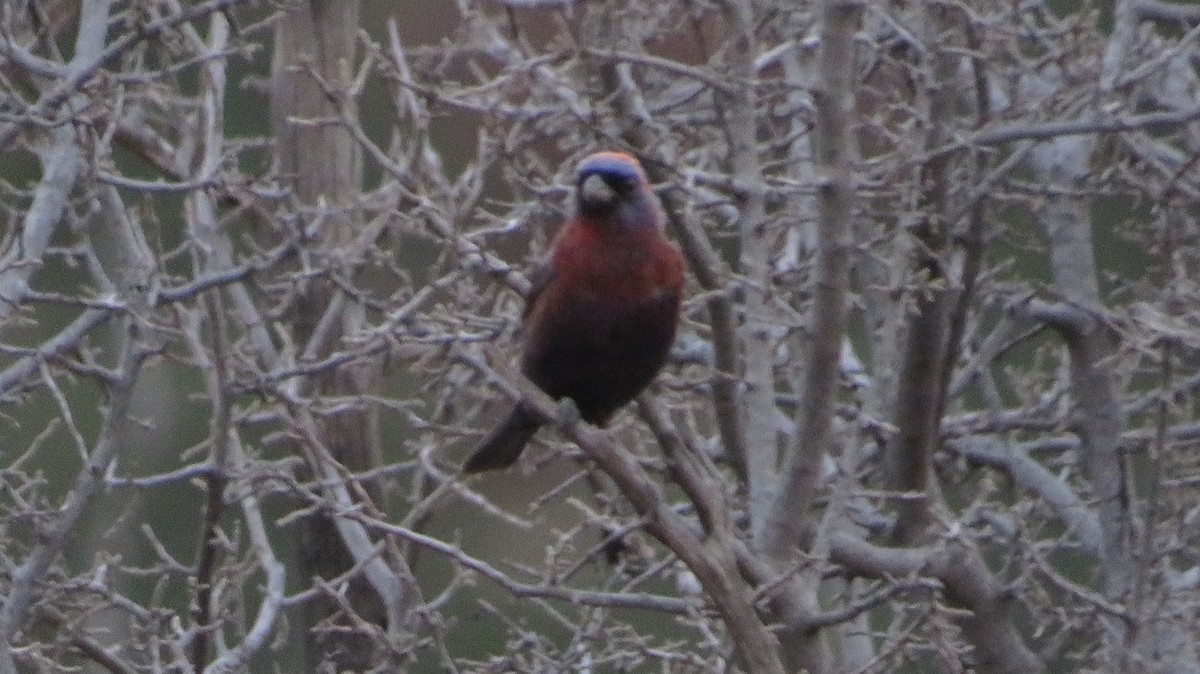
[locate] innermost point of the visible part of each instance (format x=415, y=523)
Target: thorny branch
x=931, y=406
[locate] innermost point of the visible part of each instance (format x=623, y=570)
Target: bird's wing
x=539, y=278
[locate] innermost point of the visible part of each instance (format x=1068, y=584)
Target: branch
x=968, y=583
x=1159, y=10
x=757, y=342
x=91, y=56
x=236, y=659
x=713, y=564
x=704, y=262
x=56, y=530
x=50, y=198
x=1035, y=477
x=648, y=602
x=398, y=594
x=57, y=347
x=61, y=165
x=1089, y=126
x=789, y=521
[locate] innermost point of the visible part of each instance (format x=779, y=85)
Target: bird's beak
x=595, y=190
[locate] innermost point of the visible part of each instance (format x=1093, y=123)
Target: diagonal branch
x=713, y=563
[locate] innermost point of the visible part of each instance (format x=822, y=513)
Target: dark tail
x=504, y=445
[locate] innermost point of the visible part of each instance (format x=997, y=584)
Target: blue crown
x=610, y=164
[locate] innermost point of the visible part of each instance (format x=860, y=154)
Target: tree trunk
x=322, y=165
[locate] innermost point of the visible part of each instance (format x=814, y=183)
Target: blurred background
x=288, y=253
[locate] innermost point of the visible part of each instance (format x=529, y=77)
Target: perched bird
x=602, y=310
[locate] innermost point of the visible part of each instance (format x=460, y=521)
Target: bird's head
x=612, y=187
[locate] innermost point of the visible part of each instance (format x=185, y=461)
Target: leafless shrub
x=932, y=407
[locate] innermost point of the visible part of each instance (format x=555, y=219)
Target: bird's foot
x=567, y=415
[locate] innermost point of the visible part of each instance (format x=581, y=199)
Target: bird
x=602, y=309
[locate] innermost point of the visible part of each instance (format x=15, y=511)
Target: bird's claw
x=567, y=415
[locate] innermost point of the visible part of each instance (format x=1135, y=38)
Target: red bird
x=602, y=310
